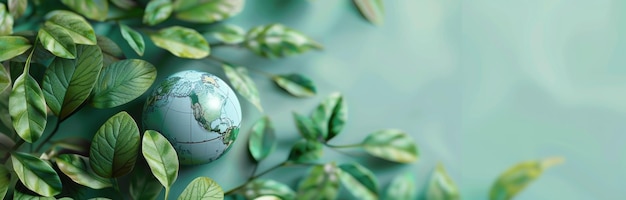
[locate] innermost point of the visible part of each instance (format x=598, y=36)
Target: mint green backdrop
x=479, y=84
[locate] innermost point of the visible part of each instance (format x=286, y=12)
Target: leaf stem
x=344, y=146
x=284, y=163
x=50, y=135
x=167, y=193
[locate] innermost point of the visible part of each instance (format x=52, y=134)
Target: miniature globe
x=197, y=112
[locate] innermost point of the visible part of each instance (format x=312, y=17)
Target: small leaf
x=27, y=108
x=5, y=79
x=36, y=174
x=143, y=185
x=207, y=11
x=6, y=21
x=70, y=145
x=182, y=42
x=277, y=40
x=77, y=168
x=11, y=46
x=243, y=84
x=79, y=29
x=263, y=187
x=441, y=186
x=296, y=84
x=321, y=183
x=161, y=157
x=122, y=82
x=372, y=10
x=392, y=145
x=157, y=11
x=115, y=146
x=306, y=151
x=92, y=9
x=331, y=115
x=110, y=51
x=402, y=187
x=262, y=139
x=17, y=7
x=58, y=41
x=516, y=178
x=5, y=181
x=202, y=188
x=124, y=4
x=359, y=180
x=306, y=127
x=229, y=34
x=134, y=39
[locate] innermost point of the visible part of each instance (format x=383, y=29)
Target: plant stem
x=256, y=166
x=344, y=146
x=54, y=131
x=285, y=163
x=167, y=193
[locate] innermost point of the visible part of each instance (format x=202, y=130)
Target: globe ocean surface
x=197, y=112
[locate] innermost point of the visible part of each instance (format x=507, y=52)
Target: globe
x=197, y=112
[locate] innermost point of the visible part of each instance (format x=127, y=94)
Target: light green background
x=479, y=84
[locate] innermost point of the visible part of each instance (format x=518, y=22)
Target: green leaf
x=11, y=46
x=229, y=34
x=143, y=185
x=441, y=186
x=202, y=188
x=27, y=108
x=20, y=192
x=516, y=178
x=5, y=79
x=277, y=40
x=6, y=21
x=36, y=174
x=402, y=187
x=307, y=128
x=92, y=9
x=58, y=41
x=321, y=183
x=207, y=11
x=5, y=181
x=243, y=84
x=391, y=145
x=134, y=39
x=161, y=158
x=122, y=82
x=331, y=115
x=262, y=139
x=17, y=7
x=182, y=42
x=359, y=180
x=264, y=187
x=115, y=146
x=67, y=83
x=157, y=11
x=296, y=84
x=124, y=4
x=372, y=10
x=110, y=51
x=69, y=145
x=78, y=28
x=77, y=168
x=306, y=151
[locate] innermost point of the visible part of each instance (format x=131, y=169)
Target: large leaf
x=122, y=82
x=27, y=107
x=58, y=41
x=78, y=28
x=262, y=139
x=6, y=21
x=372, y=10
x=161, y=158
x=263, y=187
x=115, y=146
x=67, y=83
x=331, y=115
x=157, y=11
x=392, y=145
x=77, y=168
x=11, y=46
x=203, y=188
x=111, y=52
x=306, y=151
x=321, y=183
x=277, y=40
x=182, y=42
x=5, y=79
x=17, y=7
x=296, y=84
x=20, y=192
x=307, y=128
x=518, y=177
x=229, y=34
x=143, y=185
x=92, y=9
x=36, y=174
x=441, y=186
x=5, y=181
x=243, y=84
x=359, y=180
x=133, y=38
x=402, y=187
x=207, y=11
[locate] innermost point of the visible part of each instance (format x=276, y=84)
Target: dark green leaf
x=516, y=178
x=79, y=29
x=92, y=9
x=441, y=186
x=276, y=40
x=263, y=187
x=22, y=193
x=36, y=174
x=6, y=123
x=243, y=84
x=5, y=79
x=161, y=158
x=306, y=127
x=6, y=145
x=229, y=34
x=58, y=41
x=306, y=151
x=143, y=185
x=27, y=108
x=207, y=11
x=392, y=145
x=202, y=188
x=11, y=46
x=134, y=39
x=77, y=168
x=402, y=187
x=321, y=183
x=115, y=146
x=157, y=11
x=331, y=115
x=122, y=82
x=110, y=51
x=359, y=180
x=262, y=139
x=372, y=10
x=67, y=83
x=296, y=84
x=182, y=42
x=17, y=7
x=5, y=181
x=124, y=4
x=70, y=145
x=6, y=21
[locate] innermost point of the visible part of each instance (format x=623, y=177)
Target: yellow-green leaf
x=516, y=178
x=17, y=7
x=115, y=146
x=124, y=4
x=6, y=21
x=79, y=29
x=161, y=158
x=441, y=186
x=37, y=175
x=77, y=168
x=264, y=187
x=262, y=139
x=229, y=34
x=402, y=187
x=133, y=38
x=277, y=40
x=243, y=84
x=157, y=11
x=372, y=10
x=5, y=79
x=5, y=181
x=392, y=145
x=207, y=11
x=27, y=107
x=322, y=182
x=203, y=188
x=296, y=84
x=122, y=82
x=92, y=9
x=58, y=41
x=11, y=46
x=182, y=42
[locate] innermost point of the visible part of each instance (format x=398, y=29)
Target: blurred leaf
x=306, y=151
x=321, y=183
x=70, y=145
x=92, y=9
x=5, y=79
x=143, y=185
x=5, y=181
x=124, y=4
x=5, y=117
x=402, y=187
x=372, y=10
x=6, y=21
x=243, y=84
x=11, y=46
x=441, y=186
x=17, y=7
x=58, y=41
x=207, y=11
x=36, y=174
x=6, y=145
x=516, y=178
x=262, y=139
x=67, y=83
x=263, y=187
x=77, y=168
x=296, y=84
x=115, y=146
x=306, y=127
x=20, y=192
x=276, y=40
x=229, y=34
x=79, y=29
x=360, y=181
x=331, y=115
x=122, y=82
x=41, y=54
x=202, y=188
x=161, y=158
x=110, y=51
x=157, y=11
x=134, y=39
x=27, y=108
x=182, y=42
x=392, y=145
